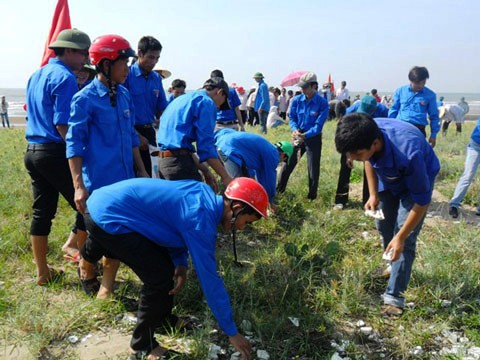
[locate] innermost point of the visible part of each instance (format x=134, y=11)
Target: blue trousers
x=396, y=209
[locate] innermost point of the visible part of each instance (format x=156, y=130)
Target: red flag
x=60, y=21
x=332, y=89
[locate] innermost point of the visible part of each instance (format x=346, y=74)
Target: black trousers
x=50, y=176
x=181, y=167
x=313, y=147
x=343, y=186
x=153, y=266
x=149, y=134
x=253, y=118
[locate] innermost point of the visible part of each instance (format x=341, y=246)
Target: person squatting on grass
x=102, y=144
x=401, y=168
x=152, y=225
x=49, y=92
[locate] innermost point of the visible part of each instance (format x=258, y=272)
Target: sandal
x=55, y=275
x=159, y=353
x=90, y=286
x=75, y=257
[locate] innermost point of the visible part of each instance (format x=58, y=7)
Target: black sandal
x=90, y=286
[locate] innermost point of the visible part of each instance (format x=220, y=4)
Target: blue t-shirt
x=476, y=132
x=262, y=99
x=408, y=164
x=180, y=215
x=252, y=151
x=102, y=135
x=229, y=115
x=308, y=115
x=147, y=93
x=413, y=107
x=190, y=118
x=49, y=92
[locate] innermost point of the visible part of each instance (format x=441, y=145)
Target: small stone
x=464, y=340
x=252, y=244
x=417, y=350
x=360, y=323
x=365, y=235
x=401, y=328
x=366, y=330
x=262, y=355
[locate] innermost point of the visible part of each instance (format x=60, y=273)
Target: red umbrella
x=292, y=78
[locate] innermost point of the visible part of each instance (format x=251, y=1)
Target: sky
x=368, y=43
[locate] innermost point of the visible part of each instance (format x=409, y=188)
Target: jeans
x=5, y=119
x=233, y=169
x=396, y=209
x=154, y=267
x=263, y=120
x=313, y=147
x=472, y=161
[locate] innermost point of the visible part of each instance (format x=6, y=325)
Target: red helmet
x=109, y=47
x=249, y=192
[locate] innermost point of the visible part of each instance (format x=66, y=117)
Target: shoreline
x=19, y=121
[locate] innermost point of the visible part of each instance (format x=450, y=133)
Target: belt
x=49, y=146
x=143, y=126
x=174, y=152
x=227, y=122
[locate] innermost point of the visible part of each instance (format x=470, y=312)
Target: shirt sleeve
x=78, y=129
x=135, y=138
x=293, y=115
x=417, y=179
x=320, y=120
x=63, y=94
x=179, y=256
x=393, y=111
x=204, y=125
x=201, y=244
x=235, y=100
x=162, y=98
x=433, y=115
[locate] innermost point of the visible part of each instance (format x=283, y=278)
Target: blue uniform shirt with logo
x=407, y=164
x=190, y=118
x=254, y=152
x=180, y=215
x=104, y=136
x=49, y=92
x=413, y=107
x=229, y=115
x=308, y=115
x=147, y=93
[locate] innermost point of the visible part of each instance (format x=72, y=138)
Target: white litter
x=366, y=330
x=294, y=321
x=263, y=355
x=376, y=214
x=72, y=339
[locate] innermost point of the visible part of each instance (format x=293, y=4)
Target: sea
x=16, y=100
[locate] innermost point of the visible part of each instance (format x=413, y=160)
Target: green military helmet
x=258, y=75
x=287, y=148
x=71, y=39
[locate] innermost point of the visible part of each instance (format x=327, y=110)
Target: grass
x=309, y=263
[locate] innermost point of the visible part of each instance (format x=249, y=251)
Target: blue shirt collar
x=386, y=159
x=102, y=90
x=57, y=61
x=138, y=72
x=418, y=92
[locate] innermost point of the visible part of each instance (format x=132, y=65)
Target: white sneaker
x=338, y=207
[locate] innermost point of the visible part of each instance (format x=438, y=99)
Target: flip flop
x=90, y=286
x=55, y=275
x=75, y=258
x=140, y=355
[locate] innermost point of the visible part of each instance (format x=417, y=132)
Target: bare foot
x=104, y=293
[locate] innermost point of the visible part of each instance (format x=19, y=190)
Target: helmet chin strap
x=234, y=231
x=112, y=89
